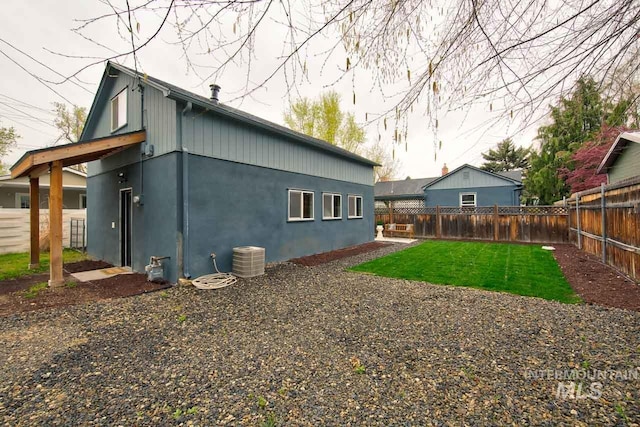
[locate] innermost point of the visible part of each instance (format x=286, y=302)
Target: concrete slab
x=396, y=240
x=105, y=273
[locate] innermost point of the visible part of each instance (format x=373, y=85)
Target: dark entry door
x=125, y=227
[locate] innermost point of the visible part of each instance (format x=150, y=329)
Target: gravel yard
x=317, y=346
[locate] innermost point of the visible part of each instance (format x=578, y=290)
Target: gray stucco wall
x=232, y=204
x=485, y=196
x=155, y=223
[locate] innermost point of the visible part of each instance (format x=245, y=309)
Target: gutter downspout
x=185, y=194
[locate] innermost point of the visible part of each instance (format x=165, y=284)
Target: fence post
x=603, y=213
x=496, y=223
x=390, y=212
x=578, y=220
x=438, y=231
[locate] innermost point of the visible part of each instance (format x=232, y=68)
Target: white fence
x=14, y=227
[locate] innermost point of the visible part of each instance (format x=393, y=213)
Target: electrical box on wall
x=148, y=149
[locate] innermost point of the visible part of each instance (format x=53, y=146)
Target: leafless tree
x=511, y=56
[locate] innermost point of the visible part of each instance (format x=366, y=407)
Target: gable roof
x=406, y=188
x=177, y=93
x=616, y=149
x=497, y=175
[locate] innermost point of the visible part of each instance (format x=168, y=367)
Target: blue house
x=208, y=178
x=471, y=186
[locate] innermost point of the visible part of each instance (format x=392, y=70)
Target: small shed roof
x=616, y=149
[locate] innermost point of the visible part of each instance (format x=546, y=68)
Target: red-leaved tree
x=588, y=157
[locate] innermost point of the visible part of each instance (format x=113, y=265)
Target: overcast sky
x=36, y=27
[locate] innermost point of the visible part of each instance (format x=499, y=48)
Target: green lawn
x=517, y=269
x=17, y=264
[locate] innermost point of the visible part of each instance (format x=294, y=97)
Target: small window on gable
x=331, y=206
x=119, y=110
x=467, y=199
x=300, y=205
x=355, y=206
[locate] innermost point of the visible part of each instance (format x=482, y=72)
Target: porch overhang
x=36, y=162
x=52, y=159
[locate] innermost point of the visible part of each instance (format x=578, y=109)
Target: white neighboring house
x=14, y=193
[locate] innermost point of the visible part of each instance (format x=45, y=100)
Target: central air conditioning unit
x=248, y=261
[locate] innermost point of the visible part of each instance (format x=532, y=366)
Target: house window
x=119, y=110
x=22, y=201
x=467, y=199
x=355, y=206
x=331, y=206
x=83, y=201
x=300, y=205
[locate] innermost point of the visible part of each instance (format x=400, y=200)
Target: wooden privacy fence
x=544, y=224
x=606, y=222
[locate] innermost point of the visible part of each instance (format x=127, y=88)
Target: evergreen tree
x=505, y=157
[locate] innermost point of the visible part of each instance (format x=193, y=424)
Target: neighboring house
x=404, y=193
x=470, y=186
x=623, y=158
x=14, y=193
x=210, y=178
x=464, y=186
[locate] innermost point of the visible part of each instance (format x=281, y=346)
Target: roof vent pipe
x=215, y=90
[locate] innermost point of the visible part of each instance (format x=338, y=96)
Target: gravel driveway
x=319, y=346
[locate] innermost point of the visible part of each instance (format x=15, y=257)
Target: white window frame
x=121, y=98
x=355, y=197
x=19, y=200
x=302, y=193
x=475, y=200
x=82, y=196
x=333, y=196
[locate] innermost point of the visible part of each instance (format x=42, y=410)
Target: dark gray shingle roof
x=405, y=188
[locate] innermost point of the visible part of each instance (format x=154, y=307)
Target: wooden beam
x=34, y=222
x=36, y=162
x=82, y=149
x=55, y=225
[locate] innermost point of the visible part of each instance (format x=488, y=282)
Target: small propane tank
x=155, y=269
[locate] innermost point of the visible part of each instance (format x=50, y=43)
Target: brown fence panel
x=606, y=223
x=548, y=224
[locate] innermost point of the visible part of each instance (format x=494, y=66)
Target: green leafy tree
x=8, y=139
x=574, y=120
x=324, y=119
x=506, y=157
x=70, y=123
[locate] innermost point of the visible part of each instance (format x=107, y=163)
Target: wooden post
x=34, y=222
x=391, y=212
x=496, y=223
x=55, y=225
x=603, y=213
x=438, y=225
x=578, y=220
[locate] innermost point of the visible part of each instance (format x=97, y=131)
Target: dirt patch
x=596, y=282
x=86, y=265
x=22, y=283
x=325, y=257
x=73, y=293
